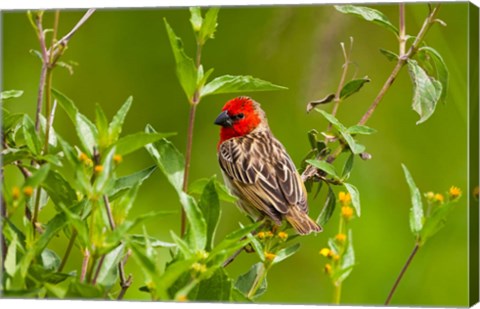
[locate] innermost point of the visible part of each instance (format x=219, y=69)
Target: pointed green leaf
x=360, y=129
x=440, y=68
x=115, y=127
x=245, y=282
x=185, y=67
x=233, y=241
x=353, y=86
x=426, y=91
x=108, y=274
x=391, y=56
x=10, y=262
x=209, y=25
x=217, y=288
x=102, y=126
x=324, y=166
x=355, y=196
x=232, y=84
x=368, y=14
x=104, y=177
x=416, y=212
x=197, y=232
x=196, y=18
x=38, y=176
x=435, y=222
x=285, y=253
x=209, y=204
x=58, y=189
x=198, y=186
x=122, y=184
x=347, y=168
x=312, y=104
x=87, y=132
x=130, y=143
x=182, y=245
x=9, y=94
x=31, y=137
x=348, y=260
x=328, y=209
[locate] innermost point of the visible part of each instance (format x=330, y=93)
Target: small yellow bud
x=83, y=157
x=336, y=257
x=430, y=196
x=202, y=255
x=344, y=198
x=268, y=234
x=325, y=252
x=28, y=191
x=182, y=297
x=117, y=158
x=454, y=192
x=438, y=197
x=328, y=269
x=340, y=237
x=15, y=193
x=270, y=256
x=98, y=168
x=261, y=235
x=199, y=268
x=347, y=212
x=283, y=236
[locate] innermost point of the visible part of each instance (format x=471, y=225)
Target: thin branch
x=97, y=271
x=86, y=259
x=111, y=221
x=68, y=250
x=402, y=32
x=402, y=272
x=43, y=72
x=64, y=40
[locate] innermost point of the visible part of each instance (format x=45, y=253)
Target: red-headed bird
x=257, y=168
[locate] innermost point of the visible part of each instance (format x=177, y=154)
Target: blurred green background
x=126, y=52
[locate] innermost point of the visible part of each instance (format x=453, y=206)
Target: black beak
x=224, y=120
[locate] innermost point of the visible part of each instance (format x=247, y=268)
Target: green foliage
x=353, y=86
x=9, y=94
x=368, y=14
x=232, y=84
x=416, y=212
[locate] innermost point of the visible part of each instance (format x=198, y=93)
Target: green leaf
x=435, y=222
x=324, y=166
x=233, y=241
x=10, y=155
x=257, y=246
x=209, y=204
x=347, y=168
x=197, y=232
x=217, y=288
x=368, y=14
x=353, y=86
x=440, y=68
x=170, y=161
x=355, y=197
x=361, y=129
x=328, y=209
x=31, y=137
x=245, y=282
x=182, y=245
x=50, y=260
x=102, y=126
x=9, y=94
x=153, y=242
x=11, y=122
x=416, y=212
x=38, y=176
x=209, y=25
x=196, y=18
x=133, y=142
x=10, y=262
x=356, y=148
x=79, y=290
x=58, y=189
x=198, y=186
x=122, y=184
x=115, y=127
x=87, y=132
x=312, y=104
x=232, y=84
x=185, y=67
x=286, y=253
x=426, y=91
x=104, y=177
x=108, y=274
x=391, y=56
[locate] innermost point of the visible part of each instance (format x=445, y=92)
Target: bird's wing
x=263, y=172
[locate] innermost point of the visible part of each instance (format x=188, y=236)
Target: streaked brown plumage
x=258, y=169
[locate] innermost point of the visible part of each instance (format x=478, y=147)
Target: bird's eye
x=239, y=116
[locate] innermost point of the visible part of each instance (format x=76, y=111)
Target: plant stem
x=124, y=283
x=402, y=33
x=402, y=272
x=337, y=293
x=97, y=271
x=71, y=242
x=337, y=100
x=86, y=259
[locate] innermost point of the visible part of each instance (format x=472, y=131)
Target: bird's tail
x=301, y=222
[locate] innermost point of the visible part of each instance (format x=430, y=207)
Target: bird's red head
x=239, y=117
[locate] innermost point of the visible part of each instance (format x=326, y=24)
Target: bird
x=258, y=170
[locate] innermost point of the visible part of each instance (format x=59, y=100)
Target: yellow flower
x=98, y=168
x=344, y=198
x=83, y=157
x=454, y=192
x=182, y=297
x=15, y=193
x=328, y=269
x=270, y=256
x=261, y=235
x=341, y=237
x=430, y=196
x=28, y=191
x=347, y=212
x=439, y=198
x=282, y=235
x=117, y=158
x=336, y=257
x=325, y=252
